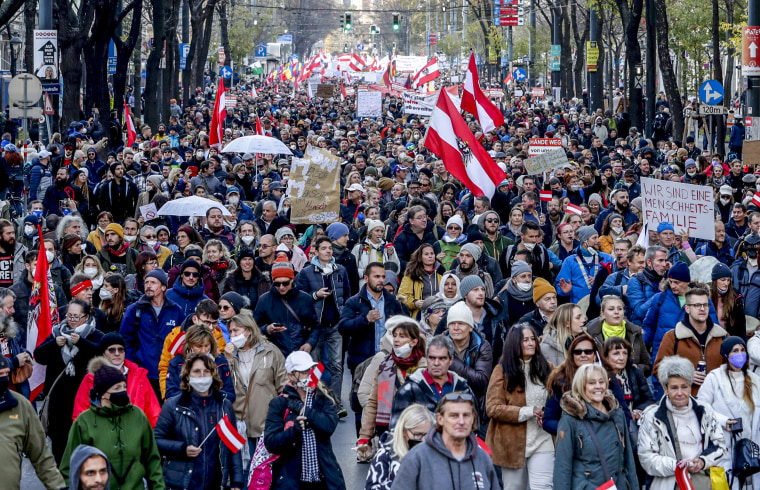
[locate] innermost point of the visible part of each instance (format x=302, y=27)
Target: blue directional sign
x=261, y=50
x=285, y=39
x=112, y=58
x=519, y=75
x=225, y=72
x=184, y=50
x=525, y=59
x=360, y=47
x=711, y=92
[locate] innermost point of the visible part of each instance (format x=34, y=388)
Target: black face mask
x=120, y=399
x=414, y=442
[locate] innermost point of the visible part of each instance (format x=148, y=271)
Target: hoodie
x=81, y=454
x=424, y=468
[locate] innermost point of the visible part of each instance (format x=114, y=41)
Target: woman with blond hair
x=565, y=324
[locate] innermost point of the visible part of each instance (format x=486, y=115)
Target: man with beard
x=89, y=469
x=11, y=255
x=266, y=255
x=553, y=220
x=119, y=195
x=215, y=229
x=643, y=287
x=61, y=198
x=117, y=255
x=621, y=205
x=718, y=247
x=468, y=257
x=576, y=277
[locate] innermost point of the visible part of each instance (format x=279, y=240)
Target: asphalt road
x=343, y=441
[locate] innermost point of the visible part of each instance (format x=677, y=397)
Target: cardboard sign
x=554, y=158
x=149, y=211
x=420, y=104
x=685, y=206
x=314, y=188
x=543, y=145
x=325, y=90
x=369, y=103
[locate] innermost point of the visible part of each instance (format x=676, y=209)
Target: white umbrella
x=257, y=144
x=191, y=206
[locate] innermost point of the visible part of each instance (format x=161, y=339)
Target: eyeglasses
x=458, y=397
x=74, y=318
x=191, y=274
x=417, y=436
x=225, y=308
x=584, y=352
x=116, y=350
x=282, y=284
x=492, y=220
x=700, y=306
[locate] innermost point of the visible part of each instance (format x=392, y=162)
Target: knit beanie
x=109, y=339
x=473, y=249
x=455, y=220
x=680, y=272
x=542, y=287
x=460, y=312
x=245, y=252
x=372, y=224
x=282, y=268
x=161, y=275
x=720, y=271
x=32, y=220
x=70, y=240
x=237, y=301
x=520, y=266
x=116, y=228
x=285, y=230
x=336, y=230
x=664, y=226
x=586, y=232
x=469, y=283
x=104, y=376
x=728, y=344
x=188, y=264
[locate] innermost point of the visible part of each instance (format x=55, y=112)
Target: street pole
x=531, y=38
x=651, y=67
x=595, y=79
x=427, y=29
x=556, y=41
x=753, y=83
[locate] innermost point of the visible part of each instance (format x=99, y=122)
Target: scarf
x=326, y=270
x=118, y=251
x=517, y=293
x=309, y=457
x=219, y=265
x=70, y=350
x=408, y=362
x=613, y=330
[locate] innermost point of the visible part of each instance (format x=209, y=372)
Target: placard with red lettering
x=685, y=206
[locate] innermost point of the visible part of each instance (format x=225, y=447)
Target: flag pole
x=207, y=436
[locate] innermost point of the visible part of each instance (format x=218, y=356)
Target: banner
x=46, y=54
x=410, y=63
x=419, y=104
x=543, y=145
x=685, y=206
x=369, y=103
x=554, y=158
x=314, y=188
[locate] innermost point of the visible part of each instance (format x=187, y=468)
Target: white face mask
x=130, y=238
x=239, y=340
x=529, y=246
x=402, y=351
x=91, y=272
x=248, y=239
x=752, y=262
x=303, y=384
x=617, y=229
x=50, y=256
x=28, y=230
x=105, y=294
x=725, y=200
x=151, y=243
x=201, y=385
x=234, y=200
x=524, y=286
x=241, y=176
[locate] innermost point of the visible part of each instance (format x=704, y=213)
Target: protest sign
x=369, y=103
x=548, y=160
x=314, y=188
x=325, y=90
x=420, y=104
x=410, y=63
x=149, y=211
x=543, y=145
x=685, y=206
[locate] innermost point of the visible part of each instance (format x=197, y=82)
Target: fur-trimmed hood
x=578, y=408
x=8, y=327
x=97, y=363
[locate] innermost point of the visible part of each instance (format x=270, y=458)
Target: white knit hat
x=460, y=312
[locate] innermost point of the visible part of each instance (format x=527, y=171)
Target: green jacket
x=451, y=250
x=22, y=432
x=494, y=248
x=125, y=436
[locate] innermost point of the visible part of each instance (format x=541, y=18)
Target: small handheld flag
x=546, y=196
x=176, y=345
x=229, y=435
x=315, y=375
x=572, y=208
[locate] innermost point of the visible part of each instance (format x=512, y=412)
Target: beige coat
x=268, y=378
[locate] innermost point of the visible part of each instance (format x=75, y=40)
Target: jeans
x=537, y=474
x=330, y=350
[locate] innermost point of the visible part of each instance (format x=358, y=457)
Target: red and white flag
x=176, y=346
x=756, y=199
x=316, y=375
x=131, y=132
x=546, y=195
x=217, y=119
x=254, y=94
x=683, y=480
x=463, y=156
x=229, y=435
x=508, y=80
x=43, y=314
x=609, y=485
x=573, y=209
x=477, y=103
x=342, y=92
x=259, y=129
x=427, y=73
x=356, y=63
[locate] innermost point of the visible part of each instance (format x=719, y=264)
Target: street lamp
x=15, y=45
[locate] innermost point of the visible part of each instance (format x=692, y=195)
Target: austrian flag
x=176, y=345
x=316, y=375
x=229, y=435
x=573, y=209
x=756, y=199
x=546, y=196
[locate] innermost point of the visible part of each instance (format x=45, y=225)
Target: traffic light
x=395, y=22
x=345, y=47
x=347, y=22
x=373, y=29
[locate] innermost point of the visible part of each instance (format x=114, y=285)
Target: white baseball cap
x=355, y=187
x=299, y=361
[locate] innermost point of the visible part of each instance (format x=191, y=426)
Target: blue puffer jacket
x=144, y=332
x=723, y=254
x=747, y=286
x=641, y=290
x=244, y=213
x=572, y=271
x=302, y=330
x=664, y=313
x=310, y=280
x=186, y=299
x=185, y=420
x=175, y=369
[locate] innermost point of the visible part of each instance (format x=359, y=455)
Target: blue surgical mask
x=738, y=359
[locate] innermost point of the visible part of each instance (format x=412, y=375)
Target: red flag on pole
x=43, y=314
x=573, y=209
x=476, y=102
x=315, y=375
x=546, y=196
x=259, y=129
x=229, y=435
x=218, y=117
x=131, y=132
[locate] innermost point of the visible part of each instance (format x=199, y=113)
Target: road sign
x=48, y=108
x=711, y=110
x=711, y=92
x=285, y=39
x=51, y=88
x=519, y=75
x=638, y=82
x=360, y=47
x=225, y=72
x=31, y=112
x=112, y=58
x=592, y=55
x=556, y=55
x=751, y=51
x=184, y=50
x=33, y=91
x=261, y=50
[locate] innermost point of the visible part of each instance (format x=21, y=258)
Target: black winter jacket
x=301, y=330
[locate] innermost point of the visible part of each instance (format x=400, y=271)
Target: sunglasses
x=225, y=308
x=492, y=220
x=282, y=284
x=458, y=397
x=191, y=274
x=116, y=350
x=585, y=352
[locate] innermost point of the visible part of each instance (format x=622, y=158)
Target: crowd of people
x=524, y=340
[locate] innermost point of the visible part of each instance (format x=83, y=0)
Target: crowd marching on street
x=170, y=319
